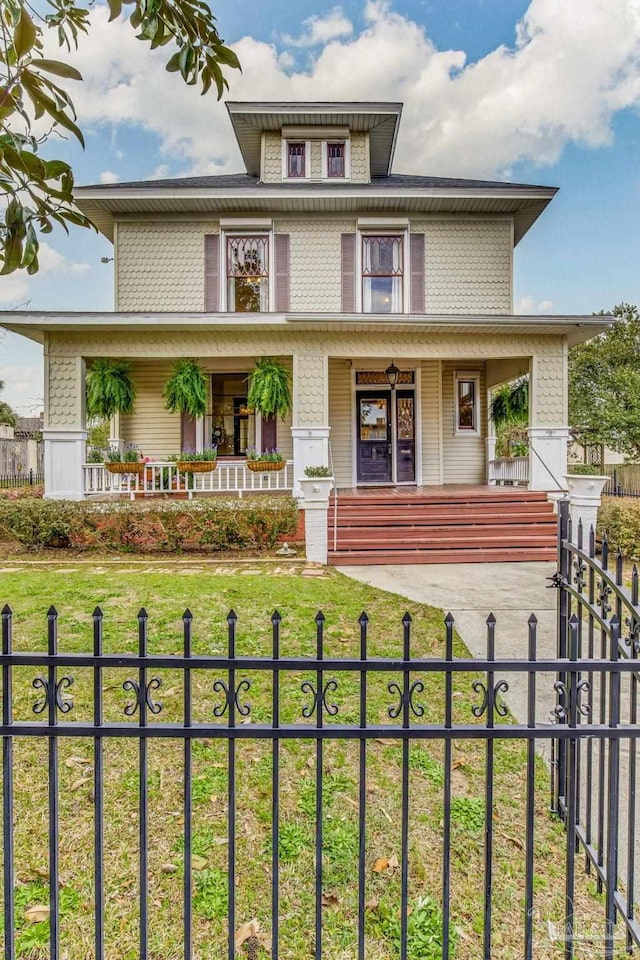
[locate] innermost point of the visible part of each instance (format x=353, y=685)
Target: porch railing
x=164, y=477
x=509, y=470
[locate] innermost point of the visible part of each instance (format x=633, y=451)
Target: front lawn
x=254, y=592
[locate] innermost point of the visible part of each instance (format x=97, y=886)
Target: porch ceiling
x=36, y=325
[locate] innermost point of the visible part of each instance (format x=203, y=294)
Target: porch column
x=115, y=439
x=310, y=429
x=65, y=436
x=548, y=431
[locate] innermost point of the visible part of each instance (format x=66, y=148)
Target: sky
x=533, y=91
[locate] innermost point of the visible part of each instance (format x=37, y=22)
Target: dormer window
x=335, y=160
x=296, y=159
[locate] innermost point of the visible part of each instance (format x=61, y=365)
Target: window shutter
x=187, y=433
x=417, y=272
x=212, y=272
x=282, y=272
x=269, y=433
x=348, y=285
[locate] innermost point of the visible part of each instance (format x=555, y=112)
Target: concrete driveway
x=471, y=591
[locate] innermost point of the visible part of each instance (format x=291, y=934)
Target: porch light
x=392, y=373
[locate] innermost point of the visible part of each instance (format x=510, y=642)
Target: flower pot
x=196, y=466
x=119, y=466
x=316, y=488
x=265, y=466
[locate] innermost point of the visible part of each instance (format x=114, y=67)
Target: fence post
x=564, y=569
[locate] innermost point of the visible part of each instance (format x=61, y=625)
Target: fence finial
x=6, y=610
x=363, y=618
x=97, y=614
x=187, y=615
x=276, y=617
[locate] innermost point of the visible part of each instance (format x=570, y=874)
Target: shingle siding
x=315, y=262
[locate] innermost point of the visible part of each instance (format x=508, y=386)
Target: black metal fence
x=624, y=481
x=28, y=478
x=594, y=782
x=426, y=700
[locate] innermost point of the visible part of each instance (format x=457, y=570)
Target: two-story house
x=354, y=276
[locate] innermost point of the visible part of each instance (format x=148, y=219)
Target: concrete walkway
x=471, y=591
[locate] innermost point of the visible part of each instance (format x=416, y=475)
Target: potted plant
x=317, y=483
x=203, y=462
x=186, y=389
x=126, y=462
x=110, y=389
x=264, y=462
x=270, y=389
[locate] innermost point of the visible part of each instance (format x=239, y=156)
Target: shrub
x=28, y=490
x=318, y=472
x=585, y=470
x=157, y=526
x=619, y=519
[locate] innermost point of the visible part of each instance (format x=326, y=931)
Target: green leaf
x=115, y=9
x=227, y=56
x=58, y=68
x=174, y=63
x=24, y=35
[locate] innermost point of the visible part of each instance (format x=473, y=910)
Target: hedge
x=619, y=519
x=158, y=526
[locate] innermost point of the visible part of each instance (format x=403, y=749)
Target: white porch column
x=548, y=458
x=310, y=429
x=585, y=496
x=115, y=439
x=491, y=455
x=65, y=436
x=315, y=502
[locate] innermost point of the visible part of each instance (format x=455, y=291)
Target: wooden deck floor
x=453, y=490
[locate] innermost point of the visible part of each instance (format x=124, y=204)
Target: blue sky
x=540, y=91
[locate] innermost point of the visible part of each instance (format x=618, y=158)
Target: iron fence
x=442, y=699
x=26, y=479
x=623, y=482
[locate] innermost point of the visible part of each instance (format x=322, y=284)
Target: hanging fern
x=186, y=389
x=270, y=389
x=110, y=389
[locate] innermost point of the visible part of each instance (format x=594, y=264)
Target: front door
x=374, y=438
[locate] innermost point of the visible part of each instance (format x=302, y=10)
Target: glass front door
x=374, y=439
x=386, y=440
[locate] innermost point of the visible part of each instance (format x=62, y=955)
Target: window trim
x=467, y=376
x=382, y=232
x=285, y=159
x=239, y=232
x=347, y=159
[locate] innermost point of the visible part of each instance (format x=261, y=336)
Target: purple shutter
x=212, y=273
x=282, y=259
x=269, y=433
x=187, y=433
x=348, y=283
x=416, y=254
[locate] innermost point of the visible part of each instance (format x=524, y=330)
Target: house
x=352, y=275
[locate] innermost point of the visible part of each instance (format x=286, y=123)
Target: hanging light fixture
x=392, y=373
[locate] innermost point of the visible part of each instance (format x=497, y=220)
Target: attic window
x=335, y=160
x=296, y=160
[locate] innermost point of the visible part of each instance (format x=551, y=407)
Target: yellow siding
x=272, y=158
x=341, y=421
x=151, y=428
x=315, y=262
x=430, y=414
x=464, y=458
x=360, y=172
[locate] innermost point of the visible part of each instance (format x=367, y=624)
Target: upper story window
x=336, y=160
x=296, y=159
x=248, y=274
x=382, y=274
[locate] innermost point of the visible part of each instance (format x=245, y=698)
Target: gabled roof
x=380, y=119
x=243, y=194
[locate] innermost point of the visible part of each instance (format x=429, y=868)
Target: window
x=382, y=274
x=466, y=395
x=296, y=160
x=335, y=160
x=247, y=274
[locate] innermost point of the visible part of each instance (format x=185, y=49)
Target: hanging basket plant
x=186, y=389
x=270, y=389
x=110, y=389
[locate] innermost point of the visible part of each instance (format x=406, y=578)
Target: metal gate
x=411, y=701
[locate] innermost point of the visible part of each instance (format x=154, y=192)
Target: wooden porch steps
x=375, y=527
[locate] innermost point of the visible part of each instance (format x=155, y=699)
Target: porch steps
x=420, y=527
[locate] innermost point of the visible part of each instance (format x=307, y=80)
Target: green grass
x=165, y=591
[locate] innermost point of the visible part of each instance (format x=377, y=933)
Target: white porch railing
x=509, y=470
x=164, y=477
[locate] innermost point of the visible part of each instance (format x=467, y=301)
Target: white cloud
x=14, y=288
x=321, y=29
x=528, y=305
x=24, y=387
x=562, y=81
x=108, y=176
